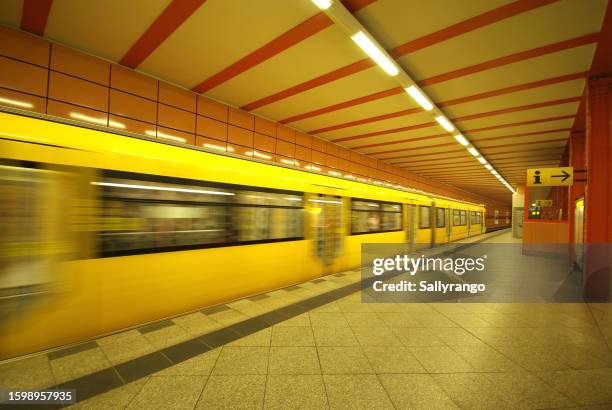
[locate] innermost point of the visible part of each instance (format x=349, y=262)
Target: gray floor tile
x=233, y=392
x=242, y=360
x=295, y=392
x=343, y=360
x=356, y=392
x=164, y=392
x=293, y=360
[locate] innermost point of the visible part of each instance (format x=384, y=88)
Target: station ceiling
x=509, y=74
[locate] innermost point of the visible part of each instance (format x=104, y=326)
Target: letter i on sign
x=537, y=178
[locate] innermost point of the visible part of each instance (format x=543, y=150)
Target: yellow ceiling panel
x=519, y=116
x=380, y=126
x=104, y=28
x=326, y=51
x=550, y=24
x=357, y=85
x=10, y=12
x=221, y=32
x=570, y=61
x=522, y=129
x=552, y=92
x=370, y=109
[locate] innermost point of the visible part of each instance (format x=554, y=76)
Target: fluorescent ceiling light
x=473, y=151
x=322, y=4
x=162, y=188
x=445, y=123
x=489, y=167
x=419, y=98
x=16, y=103
x=462, y=140
x=334, y=173
x=482, y=160
x=375, y=53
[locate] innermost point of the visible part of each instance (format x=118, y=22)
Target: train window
x=459, y=217
x=144, y=214
x=475, y=217
x=440, y=217
x=424, y=217
x=375, y=216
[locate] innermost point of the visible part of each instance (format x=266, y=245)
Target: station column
x=598, y=195
x=576, y=191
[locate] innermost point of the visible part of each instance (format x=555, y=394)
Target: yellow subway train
x=102, y=232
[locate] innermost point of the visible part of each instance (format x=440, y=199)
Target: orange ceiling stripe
x=473, y=23
x=288, y=39
x=470, y=24
x=514, y=124
x=384, y=132
x=602, y=61
x=408, y=140
x=175, y=14
x=34, y=15
x=345, y=104
x=494, y=154
x=518, y=108
x=461, y=100
x=447, y=152
x=366, y=120
x=355, y=5
x=462, y=118
x=513, y=58
x=379, y=144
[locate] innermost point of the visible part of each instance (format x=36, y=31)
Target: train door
x=433, y=222
x=449, y=225
x=468, y=218
x=411, y=230
x=327, y=225
x=33, y=240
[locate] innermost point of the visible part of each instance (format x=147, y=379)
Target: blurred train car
x=103, y=232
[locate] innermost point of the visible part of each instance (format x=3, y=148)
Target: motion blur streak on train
x=103, y=232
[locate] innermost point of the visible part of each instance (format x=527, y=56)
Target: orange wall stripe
x=461, y=100
x=34, y=15
x=513, y=58
x=470, y=24
x=463, y=118
x=302, y=31
x=175, y=14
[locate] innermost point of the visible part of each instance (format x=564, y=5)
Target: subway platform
x=316, y=345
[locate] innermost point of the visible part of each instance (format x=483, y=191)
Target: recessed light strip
x=338, y=13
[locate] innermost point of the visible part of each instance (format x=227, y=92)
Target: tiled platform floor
x=346, y=354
